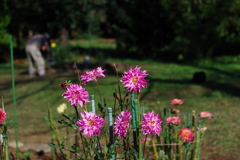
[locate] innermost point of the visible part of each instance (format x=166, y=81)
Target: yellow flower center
x=91, y=122
x=134, y=79
x=152, y=123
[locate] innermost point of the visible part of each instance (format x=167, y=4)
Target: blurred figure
x=34, y=46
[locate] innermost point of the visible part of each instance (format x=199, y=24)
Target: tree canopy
x=183, y=30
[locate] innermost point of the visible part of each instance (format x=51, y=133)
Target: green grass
x=219, y=95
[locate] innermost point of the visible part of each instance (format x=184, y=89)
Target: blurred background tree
x=164, y=30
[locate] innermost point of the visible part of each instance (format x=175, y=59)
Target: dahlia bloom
x=174, y=110
x=176, y=102
x=2, y=116
x=186, y=134
x=151, y=124
x=122, y=124
x=92, y=75
x=133, y=79
x=76, y=95
x=62, y=108
x=90, y=124
x=205, y=114
x=173, y=120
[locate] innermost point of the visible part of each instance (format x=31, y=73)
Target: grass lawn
x=218, y=95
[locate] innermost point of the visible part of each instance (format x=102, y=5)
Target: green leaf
x=53, y=145
x=74, y=147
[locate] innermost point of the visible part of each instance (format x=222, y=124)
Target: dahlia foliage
x=171, y=125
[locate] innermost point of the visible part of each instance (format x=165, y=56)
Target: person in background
x=34, y=46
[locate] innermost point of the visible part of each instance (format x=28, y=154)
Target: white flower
x=62, y=108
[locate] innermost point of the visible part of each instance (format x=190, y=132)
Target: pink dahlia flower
x=205, y=114
x=2, y=116
x=151, y=124
x=92, y=75
x=133, y=79
x=76, y=95
x=173, y=120
x=121, y=124
x=90, y=124
x=186, y=134
x=174, y=110
x=176, y=102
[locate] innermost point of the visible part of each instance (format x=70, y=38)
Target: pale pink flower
x=205, y=114
x=90, y=124
x=76, y=95
x=151, y=124
x=174, y=110
x=122, y=124
x=146, y=140
x=92, y=75
x=186, y=134
x=2, y=116
x=202, y=130
x=176, y=102
x=133, y=79
x=173, y=120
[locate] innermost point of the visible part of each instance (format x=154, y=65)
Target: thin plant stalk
x=119, y=90
x=80, y=133
x=145, y=140
x=155, y=149
x=99, y=92
x=55, y=131
x=14, y=96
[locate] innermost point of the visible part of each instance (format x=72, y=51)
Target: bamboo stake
x=110, y=123
x=134, y=123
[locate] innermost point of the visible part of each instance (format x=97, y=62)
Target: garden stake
x=193, y=129
x=14, y=97
x=92, y=103
x=170, y=141
x=165, y=129
x=110, y=122
x=198, y=140
x=139, y=130
x=188, y=120
x=169, y=112
x=170, y=136
x=134, y=123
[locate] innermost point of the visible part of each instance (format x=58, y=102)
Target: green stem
x=14, y=97
x=99, y=92
x=119, y=90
